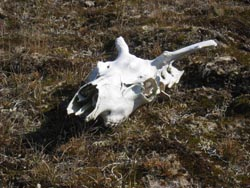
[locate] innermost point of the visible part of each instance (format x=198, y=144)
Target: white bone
x=114, y=89
x=121, y=46
x=167, y=57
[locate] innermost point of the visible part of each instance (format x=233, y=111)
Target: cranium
x=114, y=89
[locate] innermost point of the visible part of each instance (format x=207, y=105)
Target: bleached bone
x=114, y=89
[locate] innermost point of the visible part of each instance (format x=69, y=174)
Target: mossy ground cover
x=197, y=138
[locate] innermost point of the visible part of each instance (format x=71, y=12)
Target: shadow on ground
x=58, y=127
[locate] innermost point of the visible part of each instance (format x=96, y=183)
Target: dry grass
x=198, y=138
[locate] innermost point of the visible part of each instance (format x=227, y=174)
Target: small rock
x=89, y=3
x=20, y=49
x=147, y=28
x=225, y=58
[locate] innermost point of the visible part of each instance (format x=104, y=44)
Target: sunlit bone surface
x=114, y=89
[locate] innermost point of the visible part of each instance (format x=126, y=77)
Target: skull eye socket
x=127, y=85
x=162, y=75
x=169, y=70
x=150, y=88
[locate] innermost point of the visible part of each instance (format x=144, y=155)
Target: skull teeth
x=85, y=108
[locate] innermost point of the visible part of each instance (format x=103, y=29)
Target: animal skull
x=114, y=89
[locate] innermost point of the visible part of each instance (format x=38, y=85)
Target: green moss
x=181, y=37
x=193, y=141
x=244, y=180
x=12, y=24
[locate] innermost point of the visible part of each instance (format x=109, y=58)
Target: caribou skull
x=114, y=89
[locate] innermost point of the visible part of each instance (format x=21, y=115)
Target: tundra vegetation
x=199, y=137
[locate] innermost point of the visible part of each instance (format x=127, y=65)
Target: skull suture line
x=114, y=89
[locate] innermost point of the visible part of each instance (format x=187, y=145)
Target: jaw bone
x=114, y=89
